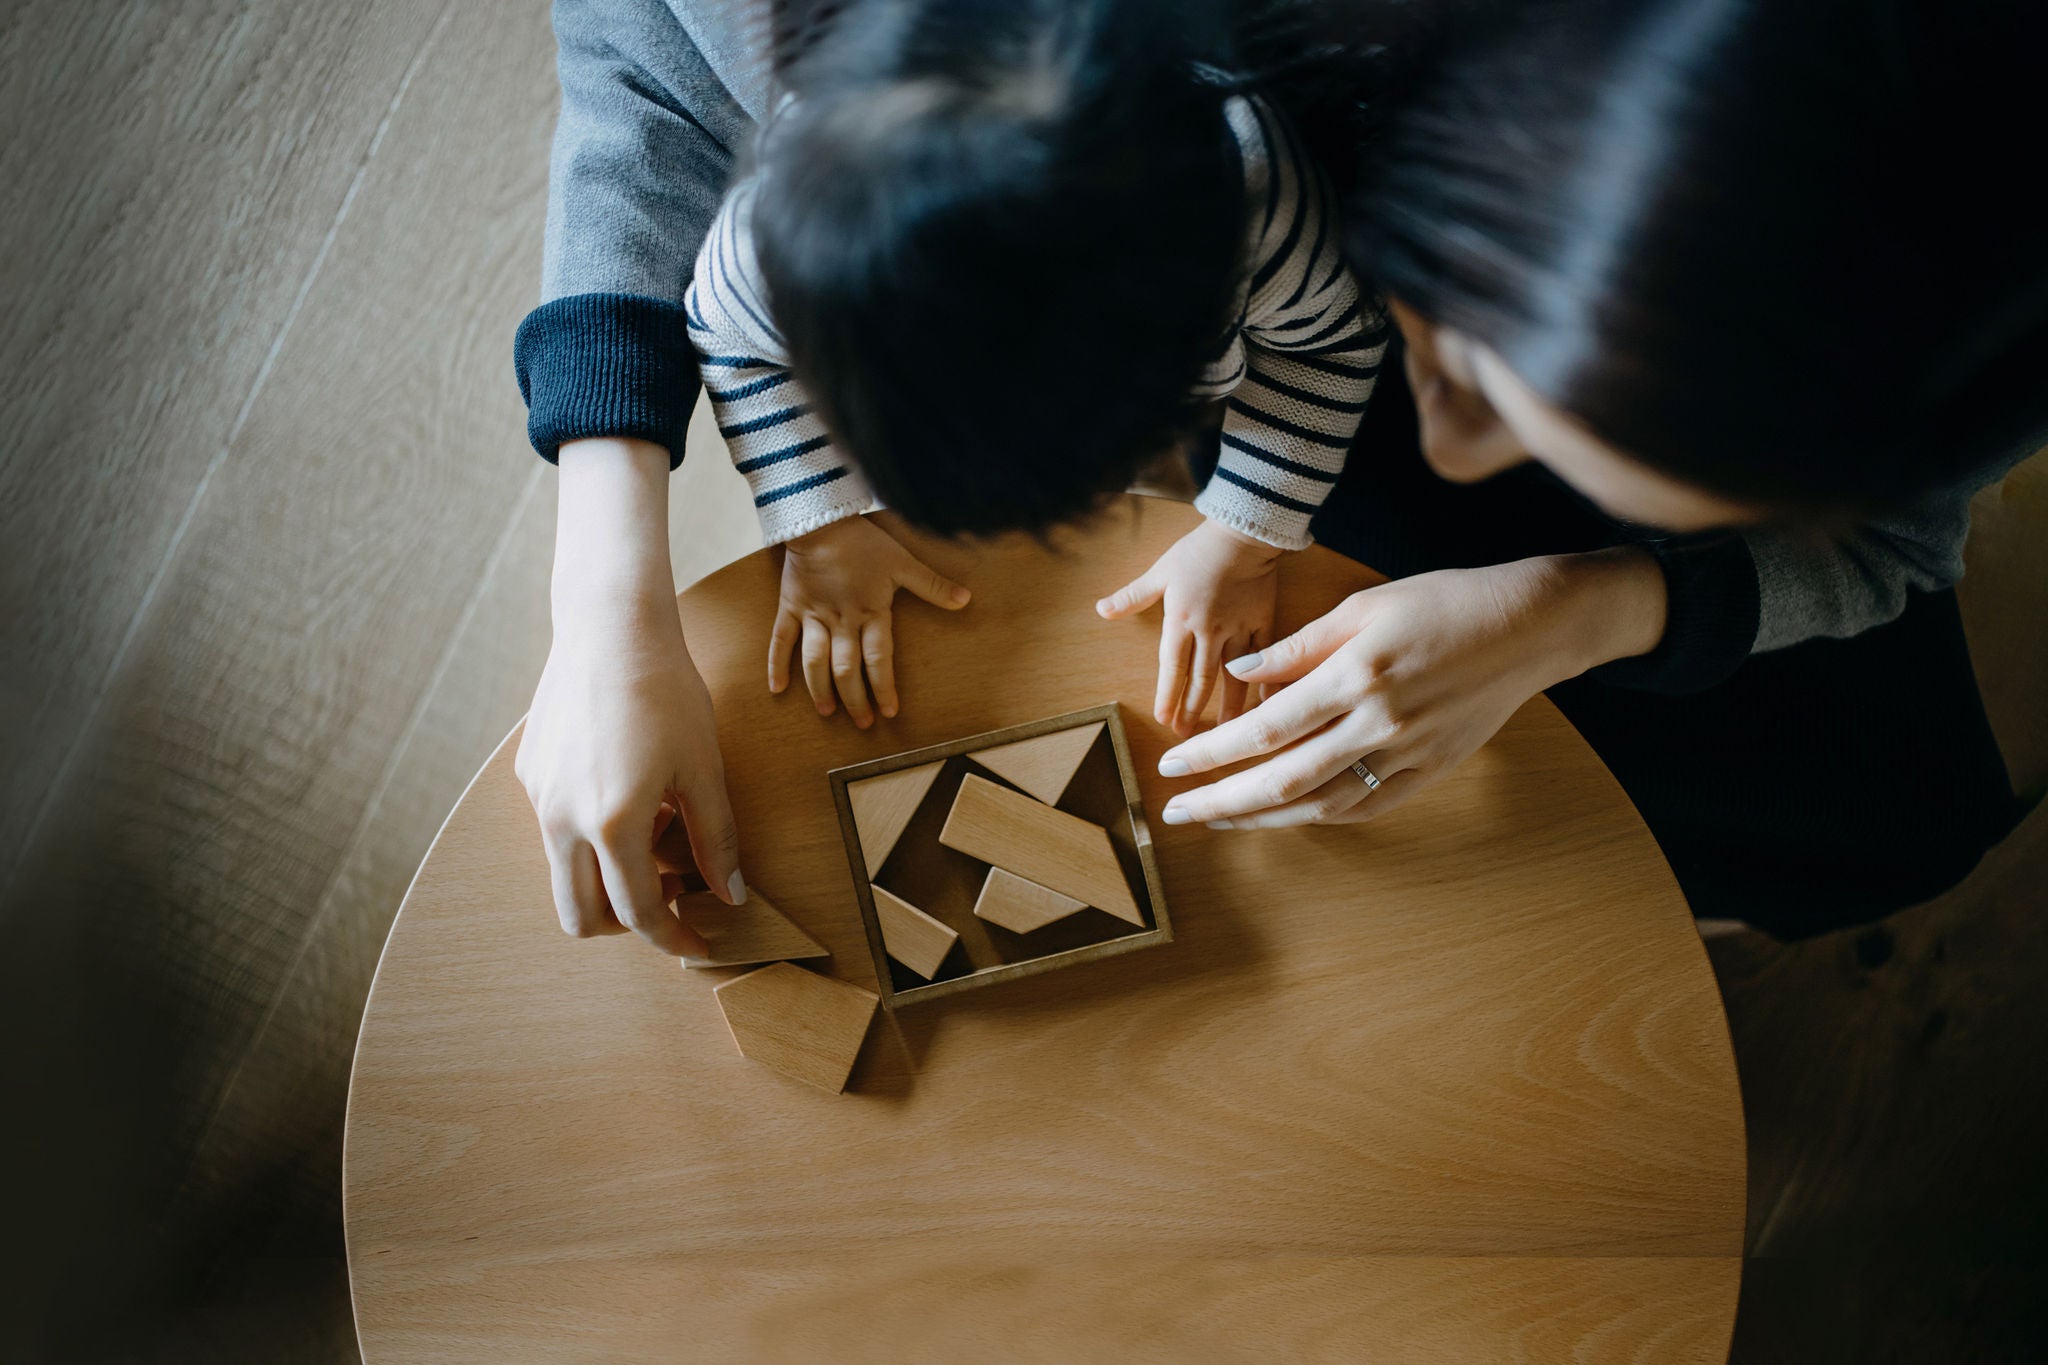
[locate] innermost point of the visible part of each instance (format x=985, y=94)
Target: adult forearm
x=611, y=531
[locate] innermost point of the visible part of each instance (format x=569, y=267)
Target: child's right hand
x=838, y=585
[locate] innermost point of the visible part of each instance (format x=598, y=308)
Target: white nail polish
x=1175, y=815
x=1237, y=668
x=1221, y=824
x=736, y=887
x=1173, y=767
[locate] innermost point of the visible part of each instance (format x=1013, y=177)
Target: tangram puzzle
x=798, y=1022
x=1001, y=855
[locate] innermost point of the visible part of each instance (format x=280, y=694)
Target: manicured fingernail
x=1221, y=824
x=1177, y=815
x=1250, y=662
x=1174, y=767
x=736, y=887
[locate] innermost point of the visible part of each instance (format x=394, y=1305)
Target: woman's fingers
x=934, y=587
x=1288, y=659
x=849, y=675
x=1134, y=596
x=1234, y=693
x=714, y=834
x=634, y=886
x=817, y=656
x=1342, y=799
x=1175, y=644
x=1394, y=791
x=1277, y=721
x=1201, y=682
x=1282, y=780
x=579, y=893
x=782, y=640
x=878, y=653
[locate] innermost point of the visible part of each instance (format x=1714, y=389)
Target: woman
x=1753, y=276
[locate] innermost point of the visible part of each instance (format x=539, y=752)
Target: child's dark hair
x=999, y=238
x=1780, y=250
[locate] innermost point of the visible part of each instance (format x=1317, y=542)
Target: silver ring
x=1367, y=776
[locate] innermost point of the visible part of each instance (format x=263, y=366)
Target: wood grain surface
x=1454, y=1085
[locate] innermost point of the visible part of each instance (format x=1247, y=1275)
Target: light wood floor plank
x=168, y=184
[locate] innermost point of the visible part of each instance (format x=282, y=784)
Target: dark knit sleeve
x=606, y=365
x=1711, y=621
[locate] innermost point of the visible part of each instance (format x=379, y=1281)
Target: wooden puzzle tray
x=1000, y=855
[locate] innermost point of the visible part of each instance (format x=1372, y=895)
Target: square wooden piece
x=1090, y=845
x=797, y=1022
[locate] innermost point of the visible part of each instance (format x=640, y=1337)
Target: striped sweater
x=1297, y=366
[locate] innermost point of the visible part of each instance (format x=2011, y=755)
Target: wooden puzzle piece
x=1042, y=766
x=912, y=937
x=882, y=807
x=743, y=934
x=1059, y=851
x=802, y=1024
x=1020, y=906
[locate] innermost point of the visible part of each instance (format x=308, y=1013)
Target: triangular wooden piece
x=743, y=934
x=882, y=807
x=799, y=1023
x=1020, y=906
x=1042, y=766
x=912, y=937
x=1059, y=851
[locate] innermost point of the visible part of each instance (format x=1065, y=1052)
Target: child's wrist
x=1242, y=543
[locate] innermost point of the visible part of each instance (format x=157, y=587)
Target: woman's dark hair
x=1789, y=250
x=999, y=238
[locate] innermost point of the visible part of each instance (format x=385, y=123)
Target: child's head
x=999, y=238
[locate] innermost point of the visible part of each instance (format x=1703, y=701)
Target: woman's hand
x=1219, y=588
x=621, y=725
x=838, y=586
x=1411, y=677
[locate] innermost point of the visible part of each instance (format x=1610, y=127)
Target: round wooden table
x=1452, y=1086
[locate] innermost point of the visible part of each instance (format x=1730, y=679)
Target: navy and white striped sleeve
x=1301, y=364
x=799, y=479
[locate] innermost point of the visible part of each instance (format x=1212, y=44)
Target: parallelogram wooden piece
x=1059, y=851
x=1020, y=906
x=1042, y=766
x=883, y=805
x=912, y=937
x=743, y=934
x=804, y=1025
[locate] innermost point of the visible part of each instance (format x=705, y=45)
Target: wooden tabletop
x=1452, y=1086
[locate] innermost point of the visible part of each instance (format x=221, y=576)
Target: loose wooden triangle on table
x=1061, y=852
x=1042, y=766
x=743, y=934
x=882, y=807
x=806, y=1026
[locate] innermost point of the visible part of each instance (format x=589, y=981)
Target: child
x=989, y=261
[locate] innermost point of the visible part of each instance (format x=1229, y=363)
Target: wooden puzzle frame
x=1134, y=811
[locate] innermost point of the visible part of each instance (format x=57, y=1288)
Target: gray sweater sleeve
x=646, y=142
x=1846, y=582
x=1732, y=596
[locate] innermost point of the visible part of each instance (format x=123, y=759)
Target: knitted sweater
x=658, y=96
x=1300, y=359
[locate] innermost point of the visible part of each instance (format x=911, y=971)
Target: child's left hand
x=1220, y=588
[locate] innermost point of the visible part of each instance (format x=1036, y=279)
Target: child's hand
x=837, y=586
x=1220, y=589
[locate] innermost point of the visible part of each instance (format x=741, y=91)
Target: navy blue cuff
x=1710, y=624
x=606, y=365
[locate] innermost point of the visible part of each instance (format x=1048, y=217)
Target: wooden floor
x=273, y=571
